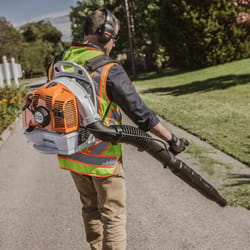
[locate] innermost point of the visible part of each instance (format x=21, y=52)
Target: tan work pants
x=104, y=212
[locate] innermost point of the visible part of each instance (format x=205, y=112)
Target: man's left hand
x=177, y=145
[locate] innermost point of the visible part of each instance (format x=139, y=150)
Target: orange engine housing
x=59, y=102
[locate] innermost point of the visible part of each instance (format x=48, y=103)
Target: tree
x=146, y=32
x=42, y=42
x=202, y=33
x=192, y=33
x=41, y=30
x=10, y=39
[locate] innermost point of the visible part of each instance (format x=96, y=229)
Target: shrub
x=11, y=101
x=199, y=34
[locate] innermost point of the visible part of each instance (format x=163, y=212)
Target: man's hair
x=95, y=20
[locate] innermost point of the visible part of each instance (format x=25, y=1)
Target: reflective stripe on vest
x=86, y=169
x=100, y=159
x=91, y=159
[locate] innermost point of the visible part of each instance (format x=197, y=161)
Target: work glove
x=177, y=145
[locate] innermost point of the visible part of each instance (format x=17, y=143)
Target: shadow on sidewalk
x=240, y=179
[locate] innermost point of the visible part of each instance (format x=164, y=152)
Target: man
x=97, y=171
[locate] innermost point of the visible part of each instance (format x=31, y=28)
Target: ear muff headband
x=106, y=30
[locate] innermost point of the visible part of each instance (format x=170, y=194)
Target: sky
x=19, y=12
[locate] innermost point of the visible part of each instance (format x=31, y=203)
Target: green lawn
x=212, y=103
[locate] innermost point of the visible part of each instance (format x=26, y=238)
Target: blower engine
x=61, y=118
x=56, y=115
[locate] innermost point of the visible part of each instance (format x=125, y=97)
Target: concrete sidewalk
x=39, y=206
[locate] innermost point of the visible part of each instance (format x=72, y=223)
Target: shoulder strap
x=98, y=61
x=60, y=56
x=57, y=58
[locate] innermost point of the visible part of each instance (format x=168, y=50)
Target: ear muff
x=106, y=30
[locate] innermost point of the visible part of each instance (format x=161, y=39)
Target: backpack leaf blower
x=61, y=118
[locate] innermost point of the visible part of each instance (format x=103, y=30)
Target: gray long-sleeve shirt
x=121, y=91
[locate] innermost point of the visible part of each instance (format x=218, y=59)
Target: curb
x=217, y=154
x=8, y=131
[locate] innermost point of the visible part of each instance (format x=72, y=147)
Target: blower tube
x=144, y=142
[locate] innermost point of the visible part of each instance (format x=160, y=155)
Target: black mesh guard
x=83, y=135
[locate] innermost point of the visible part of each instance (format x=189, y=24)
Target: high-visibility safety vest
x=100, y=159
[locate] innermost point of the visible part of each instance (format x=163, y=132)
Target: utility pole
x=131, y=47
